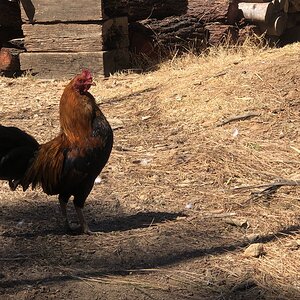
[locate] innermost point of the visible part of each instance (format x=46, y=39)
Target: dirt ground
x=167, y=199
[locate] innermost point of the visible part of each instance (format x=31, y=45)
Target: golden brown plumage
x=69, y=164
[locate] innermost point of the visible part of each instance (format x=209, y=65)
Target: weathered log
x=223, y=11
x=144, y=9
x=156, y=37
x=278, y=26
x=9, y=59
x=280, y=4
x=66, y=65
x=74, y=37
x=222, y=34
x=257, y=12
x=10, y=15
x=284, y=5
x=158, y=9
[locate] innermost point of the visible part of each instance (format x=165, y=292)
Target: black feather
x=17, y=149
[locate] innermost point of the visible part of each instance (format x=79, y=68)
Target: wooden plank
x=66, y=65
x=42, y=11
x=72, y=37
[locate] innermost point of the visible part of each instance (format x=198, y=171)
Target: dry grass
x=169, y=152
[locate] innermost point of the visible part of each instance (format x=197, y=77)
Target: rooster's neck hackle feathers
x=77, y=111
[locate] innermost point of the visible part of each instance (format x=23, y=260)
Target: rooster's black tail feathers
x=17, y=150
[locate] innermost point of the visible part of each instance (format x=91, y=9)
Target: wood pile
x=234, y=20
x=165, y=29
x=221, y=21
x=220, y=18
x=60, y=42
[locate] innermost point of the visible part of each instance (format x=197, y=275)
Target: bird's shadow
x=136, y=221
x=109, y=224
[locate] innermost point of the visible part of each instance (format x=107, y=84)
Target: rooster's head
x=82, y=82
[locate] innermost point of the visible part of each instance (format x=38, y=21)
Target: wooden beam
x=66, y=65
x=73, y=37
x=43, y=11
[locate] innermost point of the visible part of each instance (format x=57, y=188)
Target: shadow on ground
x=40, y=252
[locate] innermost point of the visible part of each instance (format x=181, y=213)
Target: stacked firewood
x=54, y=41
x=274, y=18
x=60, y=42
x=216, y=22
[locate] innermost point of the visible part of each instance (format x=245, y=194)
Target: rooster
x=69, y=164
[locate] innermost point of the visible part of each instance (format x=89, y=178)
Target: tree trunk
x=224, y=11
x=155, y=37
x=222, y=34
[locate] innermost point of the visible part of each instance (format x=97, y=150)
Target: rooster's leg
x=82, y=221
x=63, y=207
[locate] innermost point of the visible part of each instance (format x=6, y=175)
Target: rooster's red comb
x=86, y=74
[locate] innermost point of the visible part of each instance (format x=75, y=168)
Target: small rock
x=144, y=118
x=20, y=223
x=235, y=133
x=238, y=222
x=189, y=206
x=98, y=180
x=143, y=161
x=255, y=250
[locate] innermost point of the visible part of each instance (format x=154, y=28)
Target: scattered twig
x=296, y=149
x=279, y=183
x=268, y=189
x=238, y=118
